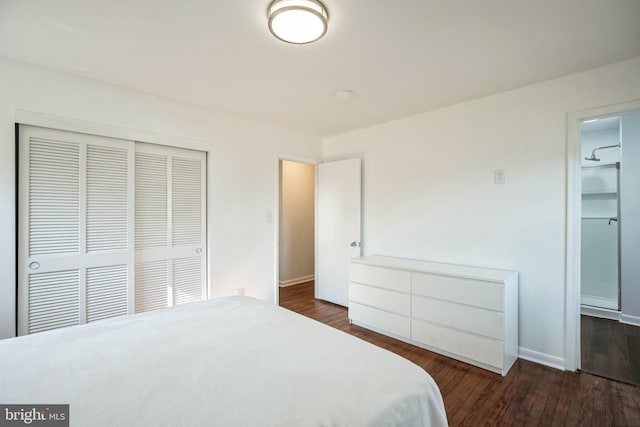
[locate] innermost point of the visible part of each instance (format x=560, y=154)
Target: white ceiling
x=399, y=57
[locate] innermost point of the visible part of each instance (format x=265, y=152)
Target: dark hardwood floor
x=530, y=395
x=610, y=349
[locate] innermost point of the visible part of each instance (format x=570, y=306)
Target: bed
x=233, y=361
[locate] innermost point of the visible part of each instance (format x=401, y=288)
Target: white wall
x=241, y=169
x=297, y=201
x=630, y=216
x=428, y=190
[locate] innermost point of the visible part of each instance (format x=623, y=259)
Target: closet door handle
x=612, y=219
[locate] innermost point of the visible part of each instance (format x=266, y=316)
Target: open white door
x=337, y=227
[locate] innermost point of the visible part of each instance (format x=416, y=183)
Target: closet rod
x=608, y=165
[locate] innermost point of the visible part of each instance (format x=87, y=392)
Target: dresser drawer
x=393, y=301
x=466, y=291
x=467, y=318
x=388, y=278
x=484, y=350
x=382, y=320
x=468, y=313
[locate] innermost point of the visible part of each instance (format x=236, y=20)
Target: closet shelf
x=599, y=193
x=603, y=166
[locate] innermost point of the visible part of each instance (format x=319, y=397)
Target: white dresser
x=467, y=313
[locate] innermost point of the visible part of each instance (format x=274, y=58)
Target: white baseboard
x=602, y=313
x=541, y=358
x=630, y=320
x=296, y=281
x=602, y=302
x=610, y=314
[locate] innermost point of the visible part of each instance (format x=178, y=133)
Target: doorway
x=629, y=295
x=601, y=150
x=609, y=231
x=296, y=226
x=333, y=195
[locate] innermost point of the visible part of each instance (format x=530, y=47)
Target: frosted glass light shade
x=297, y=21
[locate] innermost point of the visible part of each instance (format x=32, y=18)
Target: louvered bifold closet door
x=170, y=242
x=75, y=228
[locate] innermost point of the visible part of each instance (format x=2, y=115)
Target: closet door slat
x=107, y=292
x=151, y=201
x=54, y=197
x=54, y=300
x=152, y=285
x=186, y=204
x=187, y=280
x=107, y=198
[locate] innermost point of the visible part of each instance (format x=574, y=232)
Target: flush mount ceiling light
x=297, y=21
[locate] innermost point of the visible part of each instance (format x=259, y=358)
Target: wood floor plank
x=633, y=346
x=530, y=395
x=618, y=350
x=610, y=349
x=600, y=337
x=586, y=334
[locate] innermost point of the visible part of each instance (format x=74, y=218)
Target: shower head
x=593, y=157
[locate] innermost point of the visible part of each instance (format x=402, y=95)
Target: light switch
x=269, y=217
x=498, y=176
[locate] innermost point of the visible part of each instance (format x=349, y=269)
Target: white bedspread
x=232, y=361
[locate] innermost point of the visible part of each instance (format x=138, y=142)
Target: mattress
x=233, y=361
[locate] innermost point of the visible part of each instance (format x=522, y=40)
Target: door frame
x=276, y=216
x=573, y=225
